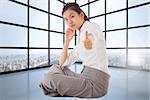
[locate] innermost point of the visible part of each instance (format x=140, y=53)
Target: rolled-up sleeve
x=71, y=58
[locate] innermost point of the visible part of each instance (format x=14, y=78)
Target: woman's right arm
x=64, y=53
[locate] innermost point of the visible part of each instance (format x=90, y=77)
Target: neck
x=81, y=24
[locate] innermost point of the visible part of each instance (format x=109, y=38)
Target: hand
x=69, y=34
x=88, y=41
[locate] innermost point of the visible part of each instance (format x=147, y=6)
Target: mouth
x=72, y=26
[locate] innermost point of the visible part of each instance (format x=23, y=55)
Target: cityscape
x=19, y=62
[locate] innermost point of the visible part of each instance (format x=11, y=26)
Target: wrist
x=67, y=41
x=66, y=44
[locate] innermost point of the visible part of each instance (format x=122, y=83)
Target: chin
x=73, y=28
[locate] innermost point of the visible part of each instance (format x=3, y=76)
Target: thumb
x=86, y=35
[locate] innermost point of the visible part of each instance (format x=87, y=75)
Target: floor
x=124, y=85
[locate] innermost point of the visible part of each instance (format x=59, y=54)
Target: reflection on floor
x=124, y=85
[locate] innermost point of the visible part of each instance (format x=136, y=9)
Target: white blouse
x=95, y=57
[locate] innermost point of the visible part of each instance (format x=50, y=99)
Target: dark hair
x=74, y=6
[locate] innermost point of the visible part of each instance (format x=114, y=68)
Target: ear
x=82, y=14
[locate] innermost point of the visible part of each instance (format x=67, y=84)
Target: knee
x=55, y=69
x=47, y=85
x=46, y=79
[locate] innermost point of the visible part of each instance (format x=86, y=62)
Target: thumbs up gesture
x=88, y=41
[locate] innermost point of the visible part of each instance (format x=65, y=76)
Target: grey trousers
x=90, y=83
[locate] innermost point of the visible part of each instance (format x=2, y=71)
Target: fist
x=69, y=34
x=88, y=41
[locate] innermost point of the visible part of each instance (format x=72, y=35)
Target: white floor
x=124, y=85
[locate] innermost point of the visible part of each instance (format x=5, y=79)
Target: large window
x=117, y=57
x=38, y=19
x=56, y=23
x=42, y=4
x=136, y=2
x=116, y=20
x=38, y=38
x=38, y=57
x=32, y=32
x=13, y=59
x=139, y=16
x=116, y=39
x=54, y=37
x=54, y=4
x=99, y=20
x=54, y=56
x=97, y=8
x=13, y=36
x=138, y=37
x=137, y=58
x=126, y=24
x=13, y=12
x=113, y=5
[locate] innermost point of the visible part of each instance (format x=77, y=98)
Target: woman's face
x=73, y=19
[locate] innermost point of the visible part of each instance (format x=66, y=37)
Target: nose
x=70, y=21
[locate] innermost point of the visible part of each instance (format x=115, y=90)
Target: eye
x=72, y=16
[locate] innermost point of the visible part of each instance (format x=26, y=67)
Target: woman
x=93, y=80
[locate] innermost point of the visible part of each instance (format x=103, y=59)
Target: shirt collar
x=84, y=25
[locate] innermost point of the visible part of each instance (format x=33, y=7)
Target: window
x=85, y=9
x=113, y=5
x=116, y=20
x=116, y=39
x=97, y=8
x=54, y=56
x=136, y=2
x=12, y=12
x=117, y=57
x=38, y=19
x=137, y=58
x=56, y=40
x=147, y=60
x=13, y=59
x=38, y=58
x=139, y=16
x=38, y=38
x=56, y=23
x=138, y=37
x=69, y=1
x=99, y=20
x=23, y=1
x=148, y=38
x=128, y=43
x=41, y=4
x=82, y=2
x=13, y=36
x=54, y=4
